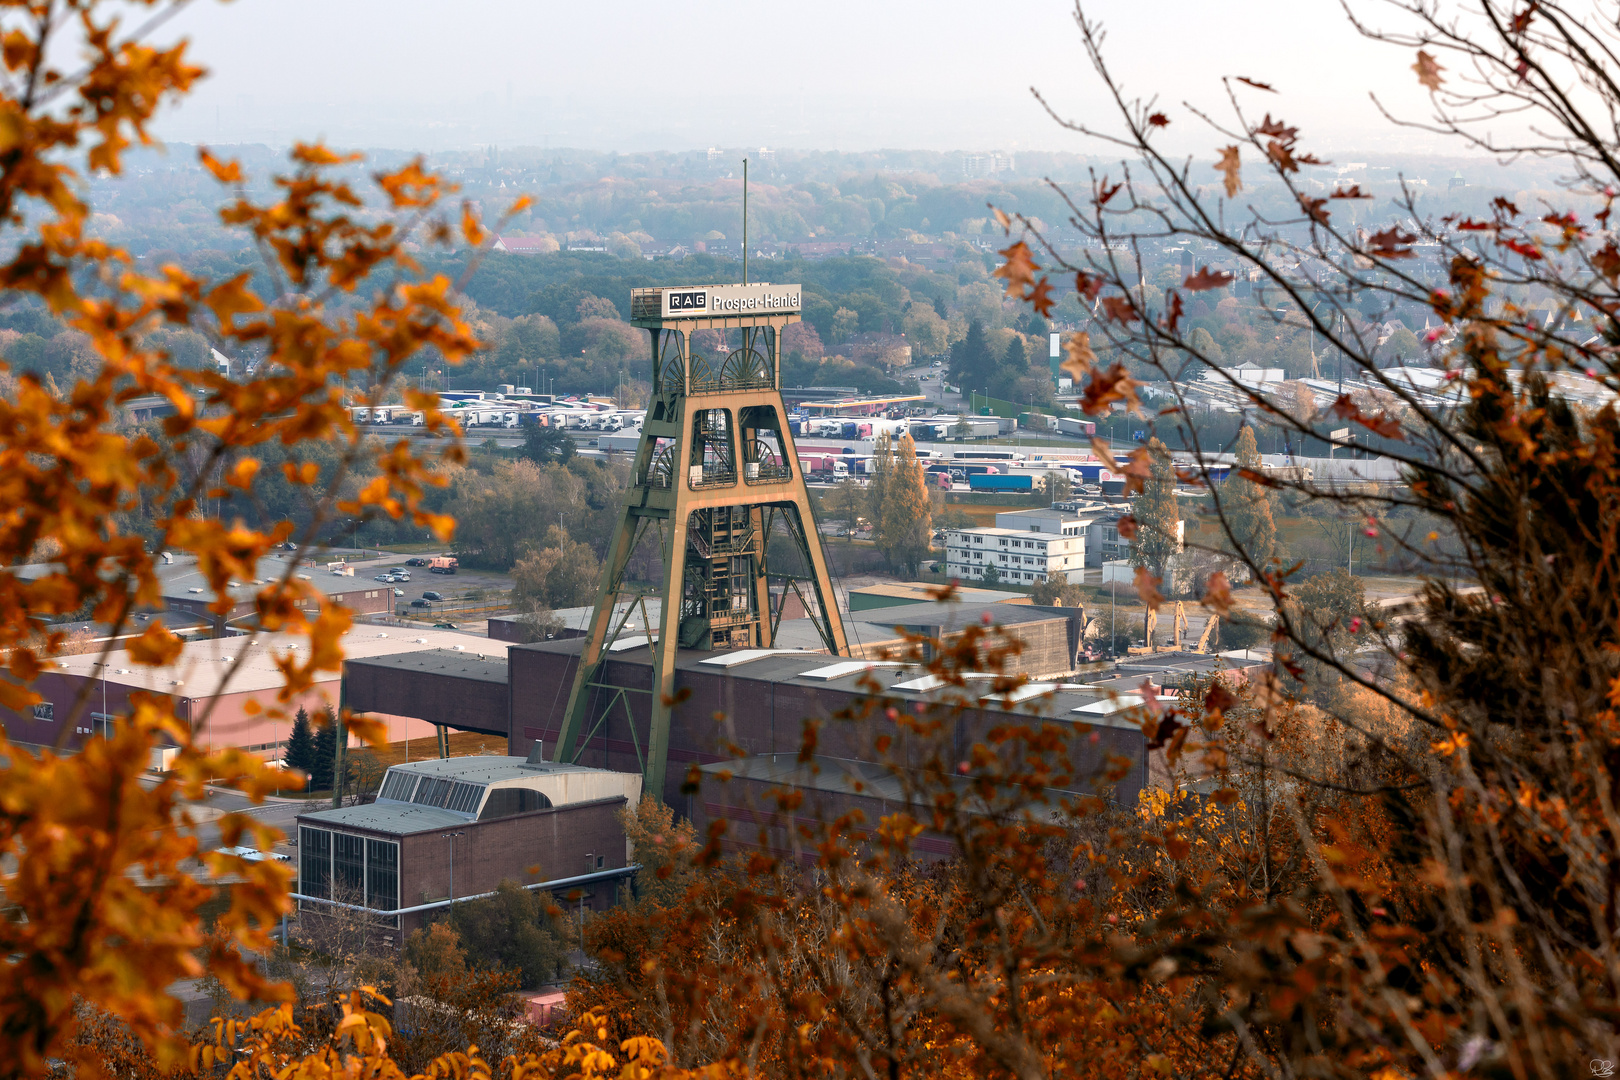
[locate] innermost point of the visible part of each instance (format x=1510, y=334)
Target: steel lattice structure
x=710, y=482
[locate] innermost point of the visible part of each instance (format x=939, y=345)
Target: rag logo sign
x=689, y=300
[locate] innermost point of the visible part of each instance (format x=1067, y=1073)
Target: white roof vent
x=459, y=648
x=304, y=577
x=194, y=590
x=121, y=671
x=421, y=641
x=382, y=635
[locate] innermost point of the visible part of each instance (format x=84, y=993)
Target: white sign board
x=1341, y=433
x=722, y=300
x=1055, y=351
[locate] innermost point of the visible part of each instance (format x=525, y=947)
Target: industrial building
x=186, y=589
x=440, y=830
x=222, y=686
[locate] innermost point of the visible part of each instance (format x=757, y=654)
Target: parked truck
x=1073, y=425
x=1000, y=482
x=443, y=564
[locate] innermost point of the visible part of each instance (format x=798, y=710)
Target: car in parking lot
x=402, y=576
x=399, y=592
x=384, y=577
x=422, y=603
x=445, y=626
x=431, y=595
x=416, y=562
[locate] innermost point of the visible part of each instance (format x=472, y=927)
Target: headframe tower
x=716, y=472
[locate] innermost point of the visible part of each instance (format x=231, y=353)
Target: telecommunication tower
x=716, y=472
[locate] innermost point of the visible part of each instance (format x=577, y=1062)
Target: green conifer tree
x=1250, y=508
x=1158, y=517
x=972, y=361
x=300, y=753
x=320, y=770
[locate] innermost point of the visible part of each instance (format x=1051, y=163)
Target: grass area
x=462, y=744
x=413, y=549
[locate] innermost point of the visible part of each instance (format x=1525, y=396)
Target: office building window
x=382, y=875
x=348, y=867
x=315, y=862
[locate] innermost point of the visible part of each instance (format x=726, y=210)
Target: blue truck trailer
x=1000, y=482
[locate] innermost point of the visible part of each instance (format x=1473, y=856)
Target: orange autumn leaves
x=106, y=885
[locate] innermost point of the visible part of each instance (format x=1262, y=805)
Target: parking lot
x=455, y=588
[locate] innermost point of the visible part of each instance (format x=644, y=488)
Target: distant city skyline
x=639, y=76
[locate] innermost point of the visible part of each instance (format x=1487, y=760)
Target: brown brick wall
x=760, y=718
x=468, y=704
x=538, y=846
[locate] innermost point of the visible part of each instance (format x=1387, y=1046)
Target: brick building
x=483, y=819
x=223, y=686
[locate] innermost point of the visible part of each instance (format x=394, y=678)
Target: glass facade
x=398, y=786
x=315, y=862
x=504, y=802
x=348, y=868
x=382, y=875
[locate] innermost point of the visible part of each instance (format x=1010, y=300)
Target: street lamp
x=451, y=836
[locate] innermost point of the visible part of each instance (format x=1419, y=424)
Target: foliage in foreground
x=1411, y=876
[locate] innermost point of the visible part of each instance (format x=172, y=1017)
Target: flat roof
x=925, y=592
x=203, y=666
x=992, y=530
x=183, y=580
x=458, y=663
x=909, y=682
x=400, y=819
x=489, y=768
x=844, y=776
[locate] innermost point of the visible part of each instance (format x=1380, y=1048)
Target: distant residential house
x=891, y=350
x=822, y=249
x=525, y=245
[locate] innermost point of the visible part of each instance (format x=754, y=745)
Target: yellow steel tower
x=716, y=472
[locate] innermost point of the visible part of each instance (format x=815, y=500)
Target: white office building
x=1027, y=545
x=1020, y=556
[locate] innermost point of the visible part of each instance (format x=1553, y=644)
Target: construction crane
x=1180, y=626
x=1209, y=628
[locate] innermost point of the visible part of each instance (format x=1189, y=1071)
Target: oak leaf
x=1147, y=588
x=1207, y=279
x=1103, y=452
x=1104, y=388
x=1391, y=243
x=1230, y=166
x=155, y=646
x=1080, y=359
x=1158, y=119
x=1118, y=309
x=1428, y=71
x=1018, y=269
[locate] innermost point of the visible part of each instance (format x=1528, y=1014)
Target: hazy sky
x=829, y=74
